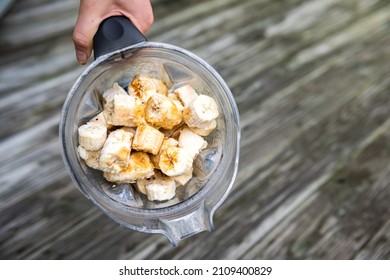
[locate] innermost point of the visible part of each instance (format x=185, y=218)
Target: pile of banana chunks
x=148, y=136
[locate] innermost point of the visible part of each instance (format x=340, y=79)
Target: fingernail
x=81, y=57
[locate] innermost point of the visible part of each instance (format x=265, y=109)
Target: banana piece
x=200, y=111
x=186, y=95
x=168, y=142
x=183, y=179
x=191, y=142
x=160, y=187
x=161, y=111
x=173, y=96
x=139, y=167
x=116, y=151
x=175, y=161
x=129, y=129
x=125, y=110
x=206, y=130
x=144, y=86
x=148, y=139
x=141, y=185
x=110, y=93
x=92, y=136
x=99, y=119
x=161, y=88
x=91, y=158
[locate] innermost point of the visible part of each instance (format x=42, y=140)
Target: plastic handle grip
x=115, y=33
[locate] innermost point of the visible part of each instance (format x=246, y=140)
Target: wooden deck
x=312, y=82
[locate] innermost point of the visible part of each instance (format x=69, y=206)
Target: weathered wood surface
x=312, y=83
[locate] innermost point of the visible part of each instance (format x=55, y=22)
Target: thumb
x=85, y=28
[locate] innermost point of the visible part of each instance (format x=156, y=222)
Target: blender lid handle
x=115, y=33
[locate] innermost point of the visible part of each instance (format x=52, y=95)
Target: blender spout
x=177, y=229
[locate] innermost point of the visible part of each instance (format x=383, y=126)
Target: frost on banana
x=154, y=135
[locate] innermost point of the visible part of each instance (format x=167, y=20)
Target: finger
x=85, y=28
x=141, y=14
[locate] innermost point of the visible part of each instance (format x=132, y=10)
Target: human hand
x=93, y=12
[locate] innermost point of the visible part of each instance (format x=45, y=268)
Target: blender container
x=121, y=52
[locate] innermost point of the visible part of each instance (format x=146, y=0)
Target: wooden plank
x=311, y=81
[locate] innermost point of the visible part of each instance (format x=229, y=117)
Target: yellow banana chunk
x=144, y=86
x=160, y=187
x=175, y=161
x=168, y=142
x=116, y=150
x=147, y=139
x=186, y=95
x=206, y=130
x=161, y=111
x=92, y=136
x=200, y=111
x=125, y=110
x=91, y=158
x=191, y=142
x=110, y=93
x=183, y=179
x=139, y=167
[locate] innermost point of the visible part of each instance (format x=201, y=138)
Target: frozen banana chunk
x=183, y=179
x=141, y=184
x=110, y=93
x=92, y=136
x=162, y=111
x=175, y=161
x=186, y=95
x=139, y=167
x=116, y=151
x=206, y=129
x=144, y=86
x=191, y=142
x=125, y=110
x=91, y=158
x=100, y=119
x=158, y=187
x=200, y=111
x=168, y=142
x=147, y=139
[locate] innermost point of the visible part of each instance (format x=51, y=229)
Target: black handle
x=115, y=33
